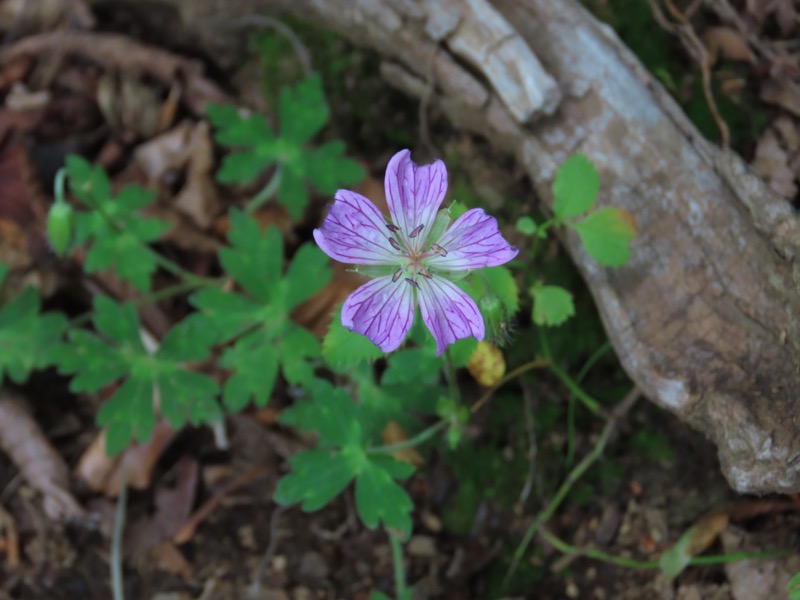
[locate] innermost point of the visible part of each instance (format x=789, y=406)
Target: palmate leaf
x=302, y=112
x=552, y=305
x=118, y=234
x=27, y=337
x=343, y=349
x=319, y=475
x=575, y=187
x=116, y=354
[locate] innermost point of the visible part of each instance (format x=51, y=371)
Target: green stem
x=630, y=563
x=572, y=477
x=179, y=271
x=450, y=375
x=399, y=567
x=537, y=363
x=589, y=402
x=59, y=185
x=267, y=192
x=422, y=437
x=570, y=457
x=539, y=235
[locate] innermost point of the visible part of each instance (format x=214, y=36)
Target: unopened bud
x=59, y=226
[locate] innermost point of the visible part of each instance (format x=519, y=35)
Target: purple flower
x=414, y=257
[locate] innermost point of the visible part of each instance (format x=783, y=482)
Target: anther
x=392, y=228
x=439, y=250
x=416, y=231
x=412, y=282
x=396, y=275
x=395, y=244
x=424, y=272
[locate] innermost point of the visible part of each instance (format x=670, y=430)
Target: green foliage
x=319, y=475
x=27, y=337
x=118, y=234
x=343, y=349
x=302, y=112
x=575, y=187
x=552, y=305
x=59, y=226
x=793, y=588
x=258, y=322
x=526, y=225
x=497, y=295
x=607, y=234
x=116, y=355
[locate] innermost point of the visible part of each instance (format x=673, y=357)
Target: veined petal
x=355, y=232
x=382, y=310
x=473, y=241
x=449, y=313
x=414, y=194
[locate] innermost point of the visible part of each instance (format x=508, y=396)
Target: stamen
x=412, y=283
x=416, y=231
x=395, y=244
x=392, y=228
x=439, y=250
x=396, y=275
x=424, y=272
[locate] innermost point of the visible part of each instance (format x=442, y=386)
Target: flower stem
x=537, y=363
x=422, y=437
x=572, y=477
x=267, y=192
x=399, y=567
x=450, y=375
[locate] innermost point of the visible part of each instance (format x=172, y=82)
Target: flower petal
x=355, y=232
x=382, y=310
x=449, y=313
x=414, y=194
x=473, y=241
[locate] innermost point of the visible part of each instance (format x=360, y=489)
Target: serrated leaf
x=292, y=191
x=575, y=187
x=128, y=414
x=411, y=365
x=330, y=413
x=502, y=283
x=328, y=169
x=342, y=348
x=607, y=234
x=255, y=258
x=552, y=305
x=255, y=368
x=380, y=499
x=27, y=338
x=187, y=397
x=295, y=349
x=307, y=274
x=317, y=477
x=302, y=110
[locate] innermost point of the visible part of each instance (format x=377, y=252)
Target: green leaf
x=295, y=348
x=116, y=353
x=330, y=413
x=376, y=595
x=552, y=305
x=317, y=477
x=327, y=169
x=255, y=367
x=794, y=587
x=379, y=498
x=676, y=558
x=303, y=110
x=255, y=259
x=292, y=192
x=117, y=232
x=575, y=187
x=307, y=274
x=3, y=272
x=526, y=226
x=27, y=337
x=607, y=234
x=412, y=365
x=461, y=351
x=502, y=283
x=342, y=348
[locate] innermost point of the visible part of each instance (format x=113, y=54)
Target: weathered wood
x=706, y=317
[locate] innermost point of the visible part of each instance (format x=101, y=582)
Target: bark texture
x=706, y=317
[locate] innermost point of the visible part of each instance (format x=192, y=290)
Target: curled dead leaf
x=726, y=43
x=394, y=433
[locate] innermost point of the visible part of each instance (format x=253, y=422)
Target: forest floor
x=201, y=523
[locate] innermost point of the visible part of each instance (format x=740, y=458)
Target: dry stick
x=620, y=410
x=255, y=587
x=538, y=363
x=187, y=530
x=685, y=32
x=117, y=580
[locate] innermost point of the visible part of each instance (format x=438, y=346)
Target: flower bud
x=59, y=226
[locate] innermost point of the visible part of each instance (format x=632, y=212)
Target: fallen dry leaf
x=784, y=93
x=102, y=473
x=771, y=163
x=394, y=433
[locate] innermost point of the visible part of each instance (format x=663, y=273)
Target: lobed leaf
x=552, y=305
x=607, y=235
x=575, y=187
